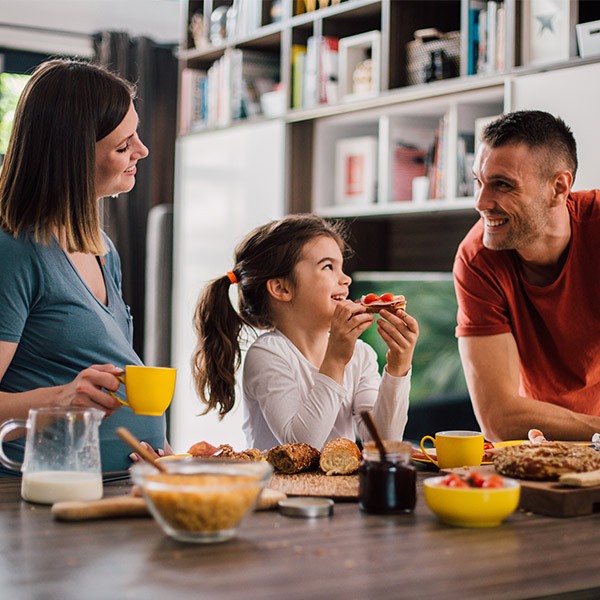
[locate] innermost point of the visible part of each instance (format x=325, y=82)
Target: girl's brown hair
x=268, y=252
x=47, y=182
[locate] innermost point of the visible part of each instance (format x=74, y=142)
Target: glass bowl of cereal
x=201, y=500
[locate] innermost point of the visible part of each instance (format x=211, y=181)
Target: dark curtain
x=153, y=68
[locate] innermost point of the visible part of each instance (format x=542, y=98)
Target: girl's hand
x=89, y=389
x=348, y=322
x=400, y=332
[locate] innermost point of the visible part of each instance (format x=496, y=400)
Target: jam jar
x=387, y=487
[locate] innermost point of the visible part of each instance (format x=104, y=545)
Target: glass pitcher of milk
x=62, y=454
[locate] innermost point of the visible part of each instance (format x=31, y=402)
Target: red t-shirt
x=556, y=327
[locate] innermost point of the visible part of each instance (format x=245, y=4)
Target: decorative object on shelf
x=548, y=31
x=588, y=38
x=360, y=65
x=440, y=66
x=276, y=11
x=310, y=5
x=273, y=103
x=432, y=54
x=420, y=189
x=218, y=25
x=198, y=30
x=356, y=170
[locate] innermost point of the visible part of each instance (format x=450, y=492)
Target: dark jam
x=389, y=487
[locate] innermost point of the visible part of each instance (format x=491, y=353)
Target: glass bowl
x=201, y=500
x=471, y=507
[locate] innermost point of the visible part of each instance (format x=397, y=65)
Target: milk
x=47, y=487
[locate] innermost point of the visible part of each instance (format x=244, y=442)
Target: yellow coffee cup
x=455, y=448
x=149, y=390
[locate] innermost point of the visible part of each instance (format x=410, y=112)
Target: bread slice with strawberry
x=374, y=303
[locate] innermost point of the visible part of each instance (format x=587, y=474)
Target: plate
x=417, y=454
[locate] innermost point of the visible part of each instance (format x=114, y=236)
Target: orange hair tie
x=232, y=278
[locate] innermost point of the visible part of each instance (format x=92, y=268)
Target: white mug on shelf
x=420, y=189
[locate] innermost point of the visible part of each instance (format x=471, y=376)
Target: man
x=527, y=279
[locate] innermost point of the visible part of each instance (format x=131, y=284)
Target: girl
x=309, y=377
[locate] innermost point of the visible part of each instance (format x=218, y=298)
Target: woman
x=65, y=332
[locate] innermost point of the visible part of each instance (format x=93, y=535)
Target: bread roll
x=340, y=456
x=293, y=458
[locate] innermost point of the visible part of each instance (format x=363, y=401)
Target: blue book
x=473, y=45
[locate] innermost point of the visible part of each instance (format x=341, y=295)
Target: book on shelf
x=465, y=157
x=437, y=174
x=192, y=108
x=487, y=37
x=247, y=15
x=473, y=36
x=320, y=84
x=298, y=64
x=328, y=70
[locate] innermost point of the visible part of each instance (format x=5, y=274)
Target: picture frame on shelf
x=548, y=31
x=588, y=39
x=356, y=171
x=360, y=65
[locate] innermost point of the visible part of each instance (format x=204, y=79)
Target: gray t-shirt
x=61, y=328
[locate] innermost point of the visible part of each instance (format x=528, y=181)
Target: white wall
x=227, y=183
x=45, y=25
x=571, y=94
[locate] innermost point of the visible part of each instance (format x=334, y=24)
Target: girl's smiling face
x=320, y=282
x=117, y=155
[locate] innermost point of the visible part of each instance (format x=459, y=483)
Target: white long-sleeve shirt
x=287, y=400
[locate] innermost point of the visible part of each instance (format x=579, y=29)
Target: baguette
x=339, y=456
x=293, y=458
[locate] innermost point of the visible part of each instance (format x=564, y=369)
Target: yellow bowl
x=201, y=500
x=471, y=507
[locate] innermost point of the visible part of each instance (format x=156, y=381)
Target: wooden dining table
x=350, y=555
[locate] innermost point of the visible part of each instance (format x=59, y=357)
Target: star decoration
x=545, y=23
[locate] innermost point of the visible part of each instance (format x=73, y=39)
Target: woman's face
x=116, y=157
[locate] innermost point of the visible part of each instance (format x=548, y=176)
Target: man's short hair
x=537, y=130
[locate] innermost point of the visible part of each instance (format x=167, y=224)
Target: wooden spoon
x=130, y=439
x=368, y=420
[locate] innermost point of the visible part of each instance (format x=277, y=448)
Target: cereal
x=202, y=502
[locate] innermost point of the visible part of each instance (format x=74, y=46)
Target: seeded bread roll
x=340, y=456
x=293, y=458
x=545, y=462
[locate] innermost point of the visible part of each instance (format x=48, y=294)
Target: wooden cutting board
x=549, y=498
x=337, y=487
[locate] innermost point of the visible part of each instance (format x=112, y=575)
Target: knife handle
x=120, y=506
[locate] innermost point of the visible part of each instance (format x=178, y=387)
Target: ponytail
x=217, y=355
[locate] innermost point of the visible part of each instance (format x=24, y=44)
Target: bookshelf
x=418, y=75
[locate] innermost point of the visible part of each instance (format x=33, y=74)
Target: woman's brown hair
x=47, y=181
x=268, y=252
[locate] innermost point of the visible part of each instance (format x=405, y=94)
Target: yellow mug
x=455, y=448
x=149, y=390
